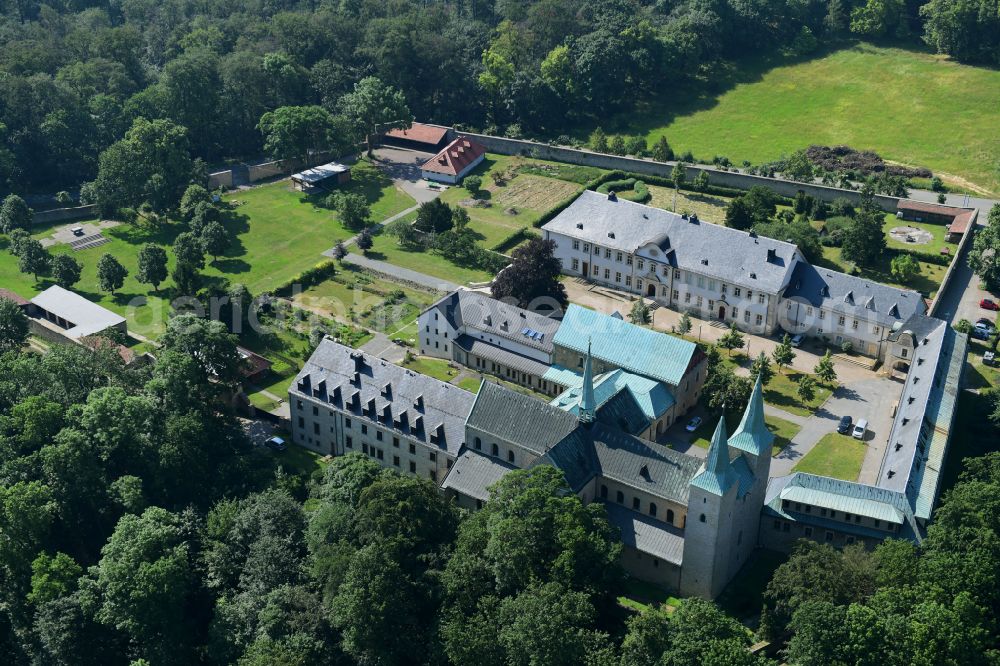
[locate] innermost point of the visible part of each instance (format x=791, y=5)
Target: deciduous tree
x=13, y=326
x=14, y=214
x=152, y=261
x=532, y=276
x=66, y=270
x=33, y=258
x=110, y=273
x=373, y=106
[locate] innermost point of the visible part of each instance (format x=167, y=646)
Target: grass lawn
x=387, y=249
x=934, y=246
x=283, y=232
x=355, y=296
x=782, y=392
x=900, y=103
x=783, y=431
x=470, y=384
x=519, y=202
x=927, y=282
x=433, y=367
x=277, y=232
x=836, y=455
x=707, y=207
x=639, y=595
x=977, y=375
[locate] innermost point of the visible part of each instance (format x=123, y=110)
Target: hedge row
x=307, y=278
x=631, y=189
x=513, y=240
x=928, y=257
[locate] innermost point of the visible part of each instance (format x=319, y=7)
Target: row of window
x=477, y=443
x=830, y=513
x=379, y=454
x=807, y=531
x=841, y=319
x=637, y=504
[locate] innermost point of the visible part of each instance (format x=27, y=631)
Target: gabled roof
x=420, y=133
x=455, y=157
x=653, y=397
x=482, y=316
x=838, y=495
x=852, y=296
x=709, y=249
x=718, y=476
x=414, y=404
x=88, y=318
x=633, y=348
x=514, y=417
x=473, y=473
x=646, y=535
x=752, y=434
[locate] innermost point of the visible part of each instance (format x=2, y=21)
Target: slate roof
x=718, y=475
x=473, y=473
x=653, y=468
x=646, y=535
x=87, y=318
x=515, y=417
x=910, y=426
x=623, y=412
x=852, y=296
x=731, y=255
x=473, y=310
x=638, y=350
x=497, y=354
x=336, y=373
x=455, y=157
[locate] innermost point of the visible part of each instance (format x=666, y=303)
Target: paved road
x=961, y=299
x=380, y=345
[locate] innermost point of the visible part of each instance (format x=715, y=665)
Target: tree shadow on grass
x=231, y=266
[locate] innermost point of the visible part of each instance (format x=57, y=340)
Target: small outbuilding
x=427, y=138
x=455, y=162
x=325, y=174
x=957, y=219
x=73, y=316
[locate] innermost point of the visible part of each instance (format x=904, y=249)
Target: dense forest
x=139, y=526
x=76, y=75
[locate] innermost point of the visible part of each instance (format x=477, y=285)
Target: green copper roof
x=653, y=397
x=719, y=475
x=752, y=434
x=588, y=405
x=633, y=348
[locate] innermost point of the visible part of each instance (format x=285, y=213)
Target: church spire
x=588, y=404
x=752, y=435
x=719, y=474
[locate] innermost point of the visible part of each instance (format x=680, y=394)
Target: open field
x=386, y=248
x=836, y=455
x=911, y=107
x=536, y=187
x=277, y=233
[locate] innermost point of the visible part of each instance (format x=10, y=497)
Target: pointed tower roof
x=588, y=404
x=752, y=435
x=718, y=475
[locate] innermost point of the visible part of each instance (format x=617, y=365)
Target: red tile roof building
x=418, y=136
x=957, y=219
x=453, y=163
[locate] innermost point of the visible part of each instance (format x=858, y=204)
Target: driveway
x=961, y=299
x=381, y=346
x=403, y=166
x=870, y=399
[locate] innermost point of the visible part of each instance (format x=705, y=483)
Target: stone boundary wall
x=265, y=170
x=963, y=247
x=734, y=179
x=65, y=214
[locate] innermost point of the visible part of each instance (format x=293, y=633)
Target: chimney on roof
x=753, y=276
x=387, y=413
x=771, y=254
x=611, y=234
x=694, y=218
x=612, y=196
x=704, y=262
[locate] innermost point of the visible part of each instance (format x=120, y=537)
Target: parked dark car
x=844, y=426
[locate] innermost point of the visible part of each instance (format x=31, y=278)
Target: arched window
x=652, y=509
x=620, y=497
x=510, y=456
x=670, y=516
x=635, y=503
x=701, y=517
x=496, y=450
x=604, y=492
x=479, y=444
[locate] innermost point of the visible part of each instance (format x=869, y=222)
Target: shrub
x=847, y=347
x=631, y=189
